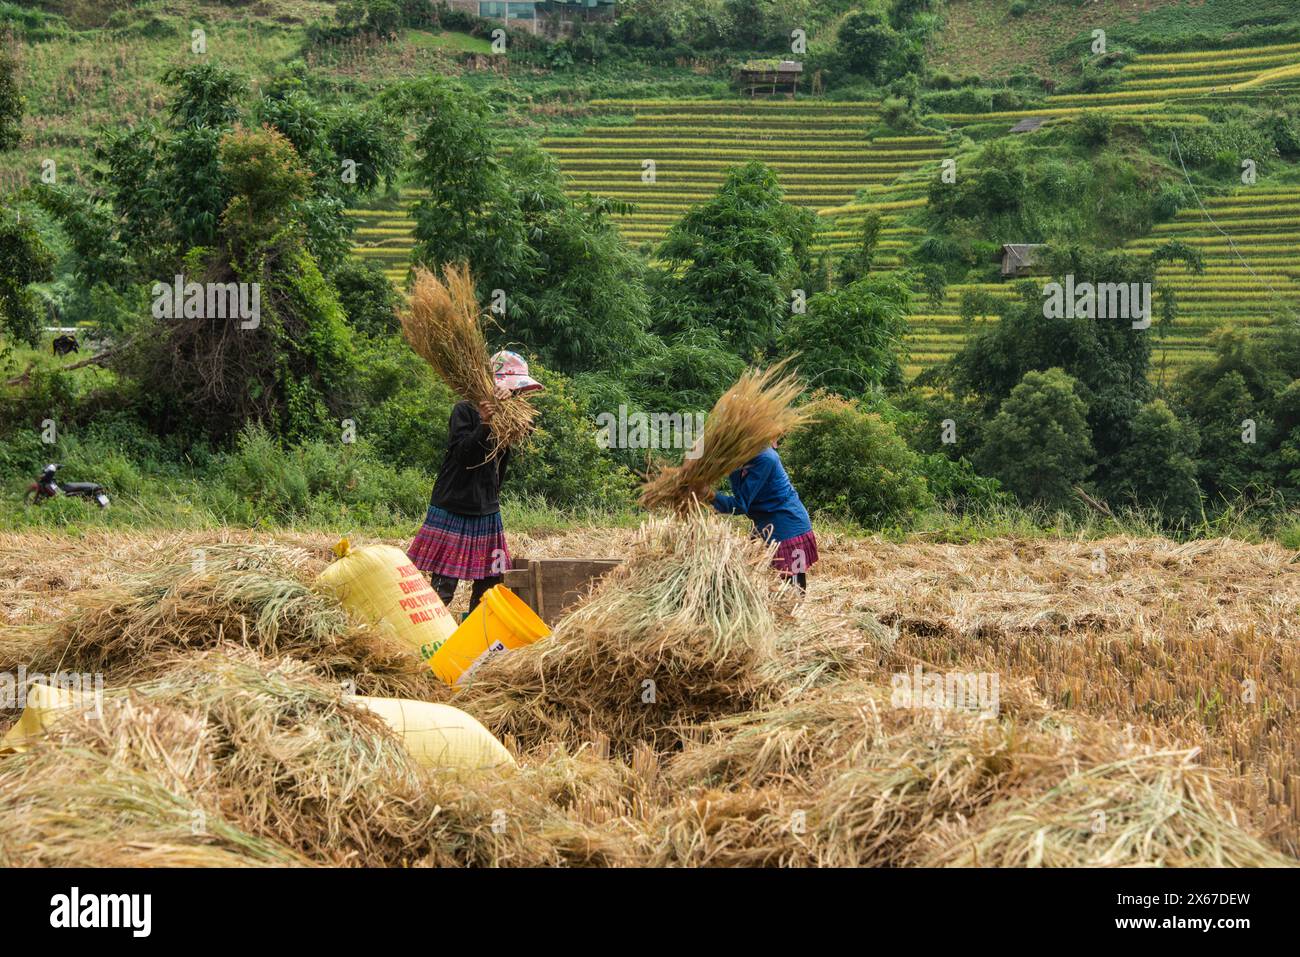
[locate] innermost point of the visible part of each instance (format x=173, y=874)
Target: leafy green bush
x=1222, y=145
x=24, y=259
x=368, y=298
x=849, y=339
x=262, y=481
x=562, y=463
x=854, y=464
x=1039, y=445
x=1094, y=128
x=955, y=483
x=1157, y=469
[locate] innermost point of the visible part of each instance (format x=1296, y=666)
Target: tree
x=293, y=367
x=559, y=278
x=1039, y=445
x=1107, y=358
x=371, y=140
x=11, y=104
x=470, y=214
x=734, y=261
x=866, y=43
x=1157, y=469
x=24, y=259
x=380, y=17
x=268, y=183
x=997, y=184
x=857, y=261
x=1286, y=418
x=579, y=302
x=349, y=153
x=1236, y=438
x=853, y=463
x=205, y=95
x=849, y=339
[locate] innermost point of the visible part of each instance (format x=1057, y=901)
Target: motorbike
x=47, y=487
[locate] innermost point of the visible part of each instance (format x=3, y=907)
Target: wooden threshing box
x=551, y=586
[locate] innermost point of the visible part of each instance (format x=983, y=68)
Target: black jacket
x=465, y=484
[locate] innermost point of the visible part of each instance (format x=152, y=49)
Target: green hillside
x=827, y=152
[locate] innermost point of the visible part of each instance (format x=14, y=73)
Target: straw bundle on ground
x=756, y=411
x=845, y=779
x=97, y=795
x=680, y=633
x=241, y=594
x=262, y=760
x=1156, y=808
x=444, y=326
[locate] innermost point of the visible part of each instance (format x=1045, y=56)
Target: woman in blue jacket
x=761, y=490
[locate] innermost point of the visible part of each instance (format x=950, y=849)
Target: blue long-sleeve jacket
x=761, y=489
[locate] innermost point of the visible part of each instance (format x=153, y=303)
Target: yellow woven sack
x=44, y=702
x=438, y=735
x=379, y=585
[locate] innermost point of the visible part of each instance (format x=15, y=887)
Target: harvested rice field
x=1099, y=703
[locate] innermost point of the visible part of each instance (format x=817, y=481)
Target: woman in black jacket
x=462, y=536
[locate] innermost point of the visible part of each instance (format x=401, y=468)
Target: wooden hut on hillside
x=1018, y=259
x=770, y=77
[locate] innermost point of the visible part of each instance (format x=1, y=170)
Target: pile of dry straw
x=683, y=715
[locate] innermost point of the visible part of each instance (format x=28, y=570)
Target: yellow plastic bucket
x=501, y=621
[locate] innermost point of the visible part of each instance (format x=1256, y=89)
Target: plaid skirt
x=796, y=555
x=460, y=546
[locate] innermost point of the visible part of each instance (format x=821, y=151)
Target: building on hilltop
x=547, y=17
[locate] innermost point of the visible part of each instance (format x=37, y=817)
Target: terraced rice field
x=1252, y=267
x=1251, y=276
x=385, y=233
x=937, y=331
x=1159, y=88
x=828, y=161
x=821, y=150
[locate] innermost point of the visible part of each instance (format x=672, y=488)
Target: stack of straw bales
x=246, y=595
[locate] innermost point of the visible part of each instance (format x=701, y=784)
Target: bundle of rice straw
x=683, y=631
x=121, y=793
x=231, y=758
x=444, y=326
x=756, y=411
x=844, y=778
x=242, y=594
